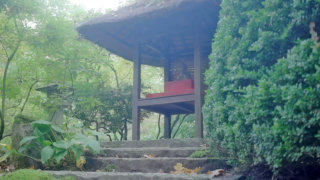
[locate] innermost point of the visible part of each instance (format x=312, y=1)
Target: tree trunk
x=159, y=126
x=3, y=109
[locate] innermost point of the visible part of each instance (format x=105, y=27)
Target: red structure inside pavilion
x=172, y=88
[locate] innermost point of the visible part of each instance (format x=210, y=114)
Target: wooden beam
x=198, y=88
x=180, y=107
x=136, y=89
x=166, y=100
x=168, y=109
x=167, y=126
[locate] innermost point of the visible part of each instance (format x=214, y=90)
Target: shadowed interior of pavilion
x=173, y=34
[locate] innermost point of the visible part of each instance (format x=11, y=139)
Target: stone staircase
x=148, y=160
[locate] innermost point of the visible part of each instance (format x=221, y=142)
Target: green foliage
x=5, y=152
x=261, y=107
x=104, y=108
x=50, y=51
x=22, y=118
x=39, y=44
x=287, y=102
x=202, y=154
x=51, y=144
x=184, y=127
x=30, y=174
x=110, y=168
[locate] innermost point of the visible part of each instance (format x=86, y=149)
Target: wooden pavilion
x=173, y=34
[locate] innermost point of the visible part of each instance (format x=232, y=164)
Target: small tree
x=104, y=109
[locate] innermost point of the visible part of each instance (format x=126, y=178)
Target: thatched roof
x=165, y=28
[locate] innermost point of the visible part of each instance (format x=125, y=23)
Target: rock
x=21, y=128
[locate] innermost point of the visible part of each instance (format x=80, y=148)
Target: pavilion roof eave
x=166, y=29
x=120, y=48
x=140, y=9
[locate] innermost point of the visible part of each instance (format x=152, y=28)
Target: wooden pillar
x=167, y=126
x=167, y=117
x=198, y=88
x=136, y=89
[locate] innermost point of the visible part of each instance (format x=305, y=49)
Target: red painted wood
x=178, y=92
x=175, y=88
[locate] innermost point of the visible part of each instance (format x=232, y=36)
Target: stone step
x=174, y=143
x=79, y=175
x=142, y=152
x=152, y=165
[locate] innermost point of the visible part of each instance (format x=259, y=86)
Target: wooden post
x=167, y=126
x=198, y=88
x=136, y=89
x=167, y=117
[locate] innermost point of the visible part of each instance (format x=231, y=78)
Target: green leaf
x=46, y=153
x=95, y=133
x=45, y=143
x=27, y=139
x=57, y=129
x=41, y=122
x=5, y=156
x=22, y=149
x=59, y=154
x=94, y=145
x=37, y=132
x=77, y=150
x=62, y=144
x=42, y=126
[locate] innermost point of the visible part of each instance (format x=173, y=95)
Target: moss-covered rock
x=21, y=128
x=30, y=174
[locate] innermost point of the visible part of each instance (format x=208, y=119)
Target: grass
x=30, y=174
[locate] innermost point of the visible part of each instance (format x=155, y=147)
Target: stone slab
x=136, y=176
x=191, y=142
x=141, y=152
x=153, y=165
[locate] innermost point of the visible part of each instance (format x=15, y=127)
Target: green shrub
x=56, y=147
x=202, y=154
x=285, y=108
x=261, y=107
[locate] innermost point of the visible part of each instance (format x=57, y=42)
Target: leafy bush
x=50, y=144
x=261, y=107
x=106, y=109
x=284, y=109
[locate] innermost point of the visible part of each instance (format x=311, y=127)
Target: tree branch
x=175, y=121
x=28, y=95
x=7, y=135
x=178, y=128
x=159, y=127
